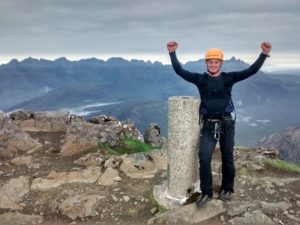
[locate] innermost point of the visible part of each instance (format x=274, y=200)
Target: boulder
x=130, y=131
x=52, y=121
x=54, y=179
x=12, y=192
x=13, y=140
x=108, y=177
x=100, y=131
x=142, y=165
x=189, y=214
x=152, y=135
x=21, y=115
x=82, y=136
x=80, y=206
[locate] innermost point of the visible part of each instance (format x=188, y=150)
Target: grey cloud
x=75, y=26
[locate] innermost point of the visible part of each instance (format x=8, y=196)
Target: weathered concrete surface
x=183, y=144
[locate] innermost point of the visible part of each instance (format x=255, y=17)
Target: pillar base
x=162, y=196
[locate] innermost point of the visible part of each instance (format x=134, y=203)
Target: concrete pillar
x=182, y=152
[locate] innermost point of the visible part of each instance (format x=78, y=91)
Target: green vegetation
x=283, y=165
x=153, y=201
x=128, y=146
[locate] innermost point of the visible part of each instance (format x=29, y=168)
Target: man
x=218, y=117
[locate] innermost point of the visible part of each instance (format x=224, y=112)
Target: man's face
x=214, y=65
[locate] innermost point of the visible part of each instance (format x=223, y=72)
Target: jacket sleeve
x=188, y=76
x=253, y=69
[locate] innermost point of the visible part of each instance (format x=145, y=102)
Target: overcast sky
x=141, y=28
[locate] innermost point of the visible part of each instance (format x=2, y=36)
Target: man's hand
x=172, y=46
x=266, y=47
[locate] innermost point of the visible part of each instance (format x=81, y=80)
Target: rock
x=13, y=191
x=257, y=218
x=152, y=135
x=115, y=199
x=288, y=138
x=102, y=119
x=291, y=211
x=117, y=178
x=222, y=218
x=256, y=167
x=80, y=206
x=138, y=166
x=130, y=131
x=91, y=159
x=126, y=198
x=83, y=136
x=154, y=210
x=54, y=206
x=21, y=160
x=237, y=208
x=142, y=166
x=11, y=218
x=269, y=191
x=44, y=121
x=103, y=131
x=80, y=137
x=21, y=115
x=13, y=140
x=53, y=180
x=271, y=153
x=113, y=162
x=159, y=158
x=108, y=177
x=274, y=208
x=189, y=214
x=2, y=115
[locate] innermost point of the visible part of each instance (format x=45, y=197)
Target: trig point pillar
x=182, y=152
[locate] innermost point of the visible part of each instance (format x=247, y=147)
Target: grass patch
x=283, y=165
x=127, y=146
x=153, y=201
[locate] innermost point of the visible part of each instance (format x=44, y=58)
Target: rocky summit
x=287, y=142
x=55, y=169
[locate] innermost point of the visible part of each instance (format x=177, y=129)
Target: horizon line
x=274, y=63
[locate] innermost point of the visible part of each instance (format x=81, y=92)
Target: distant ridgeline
x=265, y=103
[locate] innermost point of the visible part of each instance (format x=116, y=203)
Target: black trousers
x=208, y=141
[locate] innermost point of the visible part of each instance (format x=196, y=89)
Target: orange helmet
x=214, y=53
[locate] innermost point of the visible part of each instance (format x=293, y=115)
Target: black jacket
x=215, y=92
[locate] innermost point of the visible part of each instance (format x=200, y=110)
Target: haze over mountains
x=138, y=91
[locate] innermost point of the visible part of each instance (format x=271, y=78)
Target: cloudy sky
x=141, y=28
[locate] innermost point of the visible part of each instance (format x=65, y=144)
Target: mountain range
x=138, y=91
